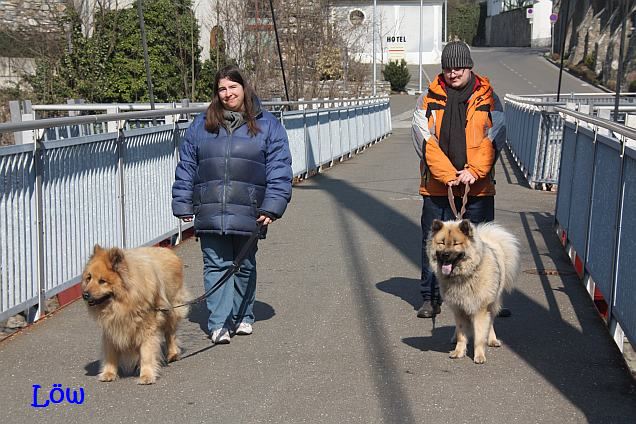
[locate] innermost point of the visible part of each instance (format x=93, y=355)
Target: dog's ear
x=116, y=256
x=437, y=225
x=466, y=228
x=97, y=248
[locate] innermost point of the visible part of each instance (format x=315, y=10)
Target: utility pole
x=142, y=28
x=217, y=35
x=619, y=74
x=420, y=44
x=373, y=37
x=565, y=27
x=280, y=54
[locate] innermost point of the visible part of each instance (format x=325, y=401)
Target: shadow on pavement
x=570, y=359
x=199, y=314
x=438, y=341
x=511, y=171
x=407, y=289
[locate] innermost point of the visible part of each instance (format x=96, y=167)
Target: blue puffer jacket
x=227, y=180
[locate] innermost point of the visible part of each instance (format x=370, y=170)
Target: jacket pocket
x=251, y=192
x=196, y=198
x=479, y=128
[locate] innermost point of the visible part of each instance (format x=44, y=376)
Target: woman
x=234, y=171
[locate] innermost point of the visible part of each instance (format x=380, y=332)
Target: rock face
x=593, y=36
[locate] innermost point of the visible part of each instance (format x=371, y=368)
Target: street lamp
x=373, y=37
x=420, y=43
x=142, y=28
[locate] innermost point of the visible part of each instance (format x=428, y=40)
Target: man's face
x=456, y=77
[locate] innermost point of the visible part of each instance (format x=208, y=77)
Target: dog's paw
x=480, y=358
x=107, y=376
x=494, y=343
x=173, y=357
x=457, y=353
x=147, y=379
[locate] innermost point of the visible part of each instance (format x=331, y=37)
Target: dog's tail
x=182, y=297
x=506, y=247
x=510, y=259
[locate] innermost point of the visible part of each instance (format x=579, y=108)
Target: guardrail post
x=121, y=184
x=38, y=163
x=306, y=140
x=16, y=116
x=112, y=126
x=175, y=155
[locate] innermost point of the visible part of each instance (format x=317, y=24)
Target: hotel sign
x=396, y=46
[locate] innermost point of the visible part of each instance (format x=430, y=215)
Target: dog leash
x=230, y=271
x=451, y=201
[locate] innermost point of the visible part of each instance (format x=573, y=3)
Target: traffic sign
x=529, y=13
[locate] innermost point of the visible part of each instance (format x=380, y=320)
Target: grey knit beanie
x=456, y=54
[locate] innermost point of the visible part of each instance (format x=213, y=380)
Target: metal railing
x=59, y=198
x=595, y=211
x=534, y=129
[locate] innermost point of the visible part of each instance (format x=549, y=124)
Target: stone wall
x=593, y=37
x=30, y=15
x=28, y=29
x=508, y=29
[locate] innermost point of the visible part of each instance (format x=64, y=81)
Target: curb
x=565, y=69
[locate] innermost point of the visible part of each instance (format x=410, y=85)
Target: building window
x=356, y=17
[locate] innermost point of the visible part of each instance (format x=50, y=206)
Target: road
x=513, y=71
x=337, y=339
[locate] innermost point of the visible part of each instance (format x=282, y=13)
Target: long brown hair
x=214, y=114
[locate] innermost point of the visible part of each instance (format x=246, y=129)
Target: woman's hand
x=265, y=220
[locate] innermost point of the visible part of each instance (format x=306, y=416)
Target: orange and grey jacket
x=485, y=136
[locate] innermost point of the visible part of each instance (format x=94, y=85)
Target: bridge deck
x=337, y=339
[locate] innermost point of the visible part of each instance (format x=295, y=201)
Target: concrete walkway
x=337, y=339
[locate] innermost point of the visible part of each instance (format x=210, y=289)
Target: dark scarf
x=232, y=120
x=452, y=138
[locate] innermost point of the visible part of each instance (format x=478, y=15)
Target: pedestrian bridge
x=336, y=337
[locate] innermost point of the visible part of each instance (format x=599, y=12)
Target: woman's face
x=231, y=95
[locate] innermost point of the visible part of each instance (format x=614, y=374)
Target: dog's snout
x=444, y=256
x=86, y=296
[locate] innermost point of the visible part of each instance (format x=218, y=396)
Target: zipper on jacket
x=226, y=177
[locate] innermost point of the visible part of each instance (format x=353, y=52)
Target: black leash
x=230, y=271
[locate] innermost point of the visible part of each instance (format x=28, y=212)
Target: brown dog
x=123, y=290
x=474, y=265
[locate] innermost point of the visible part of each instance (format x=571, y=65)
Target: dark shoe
x=504, y=313
x=429, y=310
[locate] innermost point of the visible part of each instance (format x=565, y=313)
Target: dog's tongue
x=447, y=269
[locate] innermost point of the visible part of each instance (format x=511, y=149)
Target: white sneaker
x=243, y=329
x=220, y=336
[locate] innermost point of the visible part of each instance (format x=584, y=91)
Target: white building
x=397, y=29
x=541, y=27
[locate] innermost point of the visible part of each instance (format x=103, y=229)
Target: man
x=458, y=130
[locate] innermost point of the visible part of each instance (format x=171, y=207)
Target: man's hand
x=186, y=218
x=465, y=177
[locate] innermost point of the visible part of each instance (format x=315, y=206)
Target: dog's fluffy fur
x=123, y=289
x=474, y=265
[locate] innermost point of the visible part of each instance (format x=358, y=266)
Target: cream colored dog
x=474, y=265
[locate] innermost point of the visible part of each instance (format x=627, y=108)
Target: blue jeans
x=478, y=209
x=233, y=302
